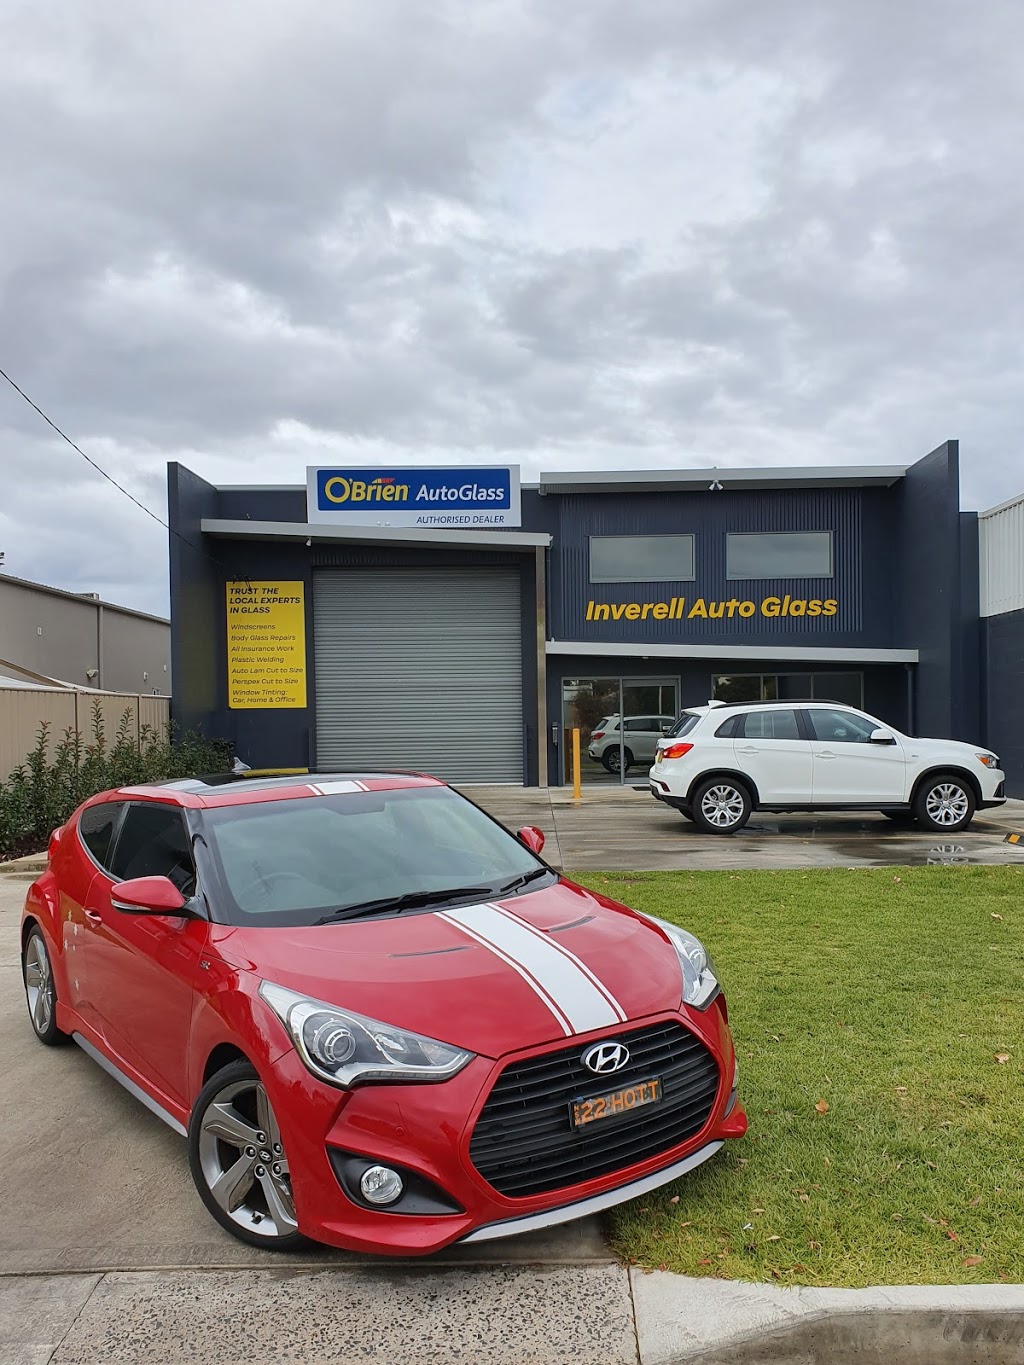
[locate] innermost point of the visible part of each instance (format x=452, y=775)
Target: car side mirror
x=882, y=737
x=665, y=729
x=532, y=838
x=148, y=896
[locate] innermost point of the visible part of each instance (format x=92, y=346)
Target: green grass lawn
x=893, y=996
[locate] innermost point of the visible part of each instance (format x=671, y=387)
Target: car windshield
x=315, y=859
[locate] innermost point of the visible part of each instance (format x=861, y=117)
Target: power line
x=109, y=478
x=87, y=458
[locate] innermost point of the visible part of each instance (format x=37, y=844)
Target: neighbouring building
x=67, y=637
x=447, y=620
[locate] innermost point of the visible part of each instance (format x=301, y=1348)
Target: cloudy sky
x=567, y=233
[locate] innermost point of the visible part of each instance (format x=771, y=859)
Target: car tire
x=238, y=1162
x=945, y=802
x=687, y=815
x=611, y=759
x=41, y=989
x=721, y=805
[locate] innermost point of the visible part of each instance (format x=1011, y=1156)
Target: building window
x=842, y=687
x=783, y=554
x=641, y=559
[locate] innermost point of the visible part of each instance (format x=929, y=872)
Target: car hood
x=949, y=749
x=492, y=978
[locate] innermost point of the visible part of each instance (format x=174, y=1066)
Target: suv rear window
x=686, y=722
x=780, y=724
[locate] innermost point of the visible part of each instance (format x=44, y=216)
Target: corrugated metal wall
x=709, y=517
x=420, y=668
x=1001, y=549
x=23, y=711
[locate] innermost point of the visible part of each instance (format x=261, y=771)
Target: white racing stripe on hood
x=517, y=967
x=343, y=785
x=567, y=986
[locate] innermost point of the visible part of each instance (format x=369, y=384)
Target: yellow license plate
x=615, y=1102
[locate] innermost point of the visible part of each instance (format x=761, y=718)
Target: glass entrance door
x=620, y=722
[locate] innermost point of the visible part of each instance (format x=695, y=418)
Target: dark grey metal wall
x=861, y=522
x=1003, y=647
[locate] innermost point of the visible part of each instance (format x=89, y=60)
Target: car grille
x=524, y=1142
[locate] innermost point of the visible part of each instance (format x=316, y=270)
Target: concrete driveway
x=92, y=1180
x=623, y=828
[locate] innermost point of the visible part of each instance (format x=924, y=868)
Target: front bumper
x=426, y=1130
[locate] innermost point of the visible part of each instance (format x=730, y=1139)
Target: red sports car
x=381, y=1020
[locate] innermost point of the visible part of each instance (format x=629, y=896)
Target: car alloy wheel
x=40, y=990
x=721, y=806
x=947, y=805
x=238, y=1160
x=616, y=760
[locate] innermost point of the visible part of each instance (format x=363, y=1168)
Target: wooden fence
x=23, y=710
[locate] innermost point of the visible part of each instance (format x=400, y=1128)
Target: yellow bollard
x=576, y=791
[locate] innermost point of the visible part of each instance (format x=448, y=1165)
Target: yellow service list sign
x=266, y=645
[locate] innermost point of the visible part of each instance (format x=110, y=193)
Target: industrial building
x=446, y=619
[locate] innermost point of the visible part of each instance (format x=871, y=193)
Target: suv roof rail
x=788, y=701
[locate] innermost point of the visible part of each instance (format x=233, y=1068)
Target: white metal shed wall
x=1001, y=547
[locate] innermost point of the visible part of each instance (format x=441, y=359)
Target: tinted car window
x=644, y=723
x=96, y=826
x=154, y=843
x=773, y=724
x=841, y=727
x=729, y=728
x=684, y=725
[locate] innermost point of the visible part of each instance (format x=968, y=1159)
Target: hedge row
x=42, y=793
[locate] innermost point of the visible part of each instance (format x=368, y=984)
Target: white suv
x=719, y=762
x=638, y=736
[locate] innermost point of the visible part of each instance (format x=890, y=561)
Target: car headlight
x=989, y=760
x=347, y=1049
x=700, y=981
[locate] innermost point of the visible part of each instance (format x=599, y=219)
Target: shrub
x=41, y=793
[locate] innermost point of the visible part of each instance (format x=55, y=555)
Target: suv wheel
x=945, y=802
x=612, y=758
x=721, y=805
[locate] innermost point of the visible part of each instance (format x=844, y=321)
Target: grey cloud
x=223, y=220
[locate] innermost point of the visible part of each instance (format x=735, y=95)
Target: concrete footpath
x=502, y=1315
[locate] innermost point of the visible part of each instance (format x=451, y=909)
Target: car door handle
x=94, y=916
x=825, y=753
x=747, y=749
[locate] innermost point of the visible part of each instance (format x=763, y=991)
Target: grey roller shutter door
x=420, y=668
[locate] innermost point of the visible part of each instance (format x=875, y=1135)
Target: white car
x=721, y=761
x=639, y=736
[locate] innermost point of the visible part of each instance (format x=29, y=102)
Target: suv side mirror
x=148, y=896
x=532, y=838
x=665, y=729
x=882, y=737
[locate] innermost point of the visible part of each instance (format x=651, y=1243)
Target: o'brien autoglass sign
x=437, y=496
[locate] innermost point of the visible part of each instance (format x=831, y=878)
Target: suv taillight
x=598, y=734
x=676, y=750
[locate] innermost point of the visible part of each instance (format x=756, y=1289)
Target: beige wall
x=65, y=637
x=23, y=710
